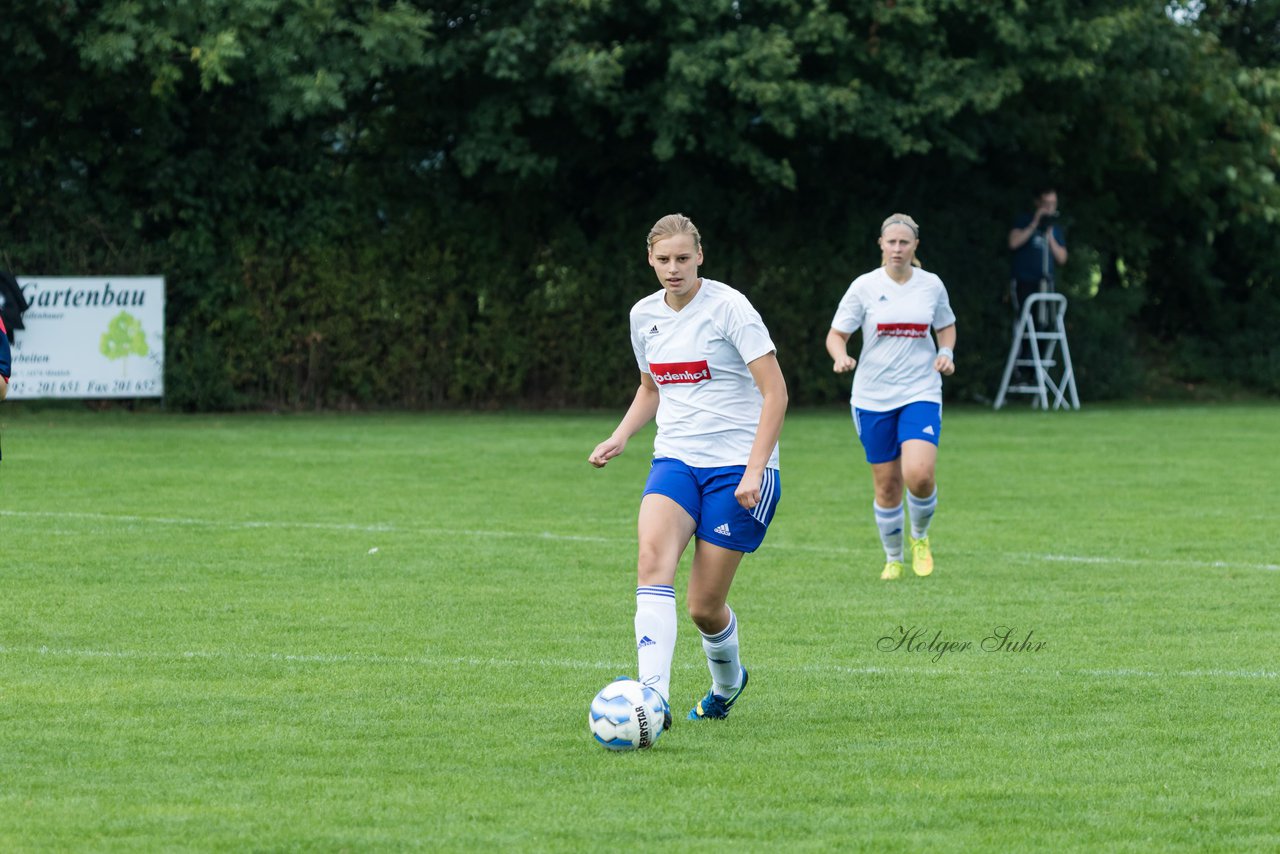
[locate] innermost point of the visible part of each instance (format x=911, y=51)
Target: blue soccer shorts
x=706, y=494
x=882, y=433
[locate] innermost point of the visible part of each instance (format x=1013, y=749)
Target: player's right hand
x=844, y=364
x=605, y=451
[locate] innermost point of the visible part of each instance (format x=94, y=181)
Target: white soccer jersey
x=896, y=364
x=709, y=405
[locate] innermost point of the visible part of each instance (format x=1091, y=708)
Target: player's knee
x=922, y=485
x=889, y=496
x=919, y=479
x=653, y=567
x=709, y=617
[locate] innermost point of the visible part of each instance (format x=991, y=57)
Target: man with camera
x=1038, y=246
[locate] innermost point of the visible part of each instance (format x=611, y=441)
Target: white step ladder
x=1043, y=357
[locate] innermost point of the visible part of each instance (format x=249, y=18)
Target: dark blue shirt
x=1029, y=258
x=5, y=355
x=4, y=352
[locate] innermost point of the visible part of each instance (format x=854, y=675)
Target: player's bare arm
x=838, y=350
x=773, y=387
x=643, y=407
x=945, y=362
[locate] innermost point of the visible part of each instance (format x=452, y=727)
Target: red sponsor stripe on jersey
x=679, y=372
x=903, y=330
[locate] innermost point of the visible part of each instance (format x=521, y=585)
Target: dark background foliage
x=420, y=204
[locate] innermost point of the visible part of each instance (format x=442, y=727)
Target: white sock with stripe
x=890, y=521
x=722, y=658
x=922, y=510
x=656, y=635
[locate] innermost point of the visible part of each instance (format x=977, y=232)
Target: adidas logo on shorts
x=723, y=530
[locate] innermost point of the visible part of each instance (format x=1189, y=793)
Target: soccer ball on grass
x=626, y=715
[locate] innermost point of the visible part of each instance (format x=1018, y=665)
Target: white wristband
x=947, y=351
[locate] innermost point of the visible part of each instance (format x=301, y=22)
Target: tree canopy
x=424, y=204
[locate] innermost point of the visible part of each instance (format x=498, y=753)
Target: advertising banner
x=90, y=337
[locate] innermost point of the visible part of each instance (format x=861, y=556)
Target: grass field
x=201, y=649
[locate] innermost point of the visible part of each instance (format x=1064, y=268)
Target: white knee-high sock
x=890, y=521
x=722, y=658
x=656, y=635
x=922, y=510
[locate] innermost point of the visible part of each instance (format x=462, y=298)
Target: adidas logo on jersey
x=654, y=330
x=723, y=530
x=645, y=641
x=928, y=430
x=883, y=298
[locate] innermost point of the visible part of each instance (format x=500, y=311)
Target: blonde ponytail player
x=897, y=388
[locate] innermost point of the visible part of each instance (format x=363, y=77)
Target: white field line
x=230, y=524
x=1122, y=561
x=195, y=523
x=610, y=666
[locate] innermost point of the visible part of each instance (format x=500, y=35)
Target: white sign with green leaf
x=90, y=337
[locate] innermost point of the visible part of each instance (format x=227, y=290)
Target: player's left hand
x=748, y=491
x=944, y=366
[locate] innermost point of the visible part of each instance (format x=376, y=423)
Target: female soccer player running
x=710, y=375
x=897, y=390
